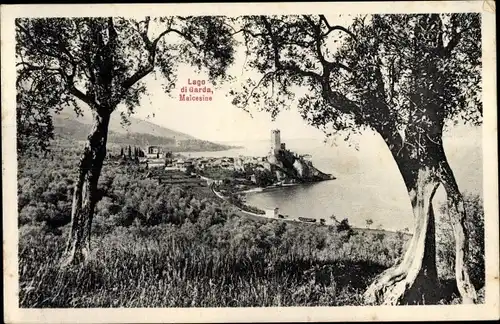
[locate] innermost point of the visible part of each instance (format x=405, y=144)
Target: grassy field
x=167, y=266
x=175, y=245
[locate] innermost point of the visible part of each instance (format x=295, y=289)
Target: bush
x=344, y=225
x=159, y=245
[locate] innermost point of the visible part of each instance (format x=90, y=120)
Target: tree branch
x=291, y=67
x=31, y=67
x=294, y=68
x=268, y=74
x=452, y=43
x=274, y=42
x=318, y=38
x=246, y=31
x=146, y=23
x=40, y=47
x=144, y=33
x=456, y=35
x=80, y=95
x=86, y=59
x=322, y=18
x=151, y=47
x=327, y=65
x=70, y=79
x=141, y=73
x=241, y=30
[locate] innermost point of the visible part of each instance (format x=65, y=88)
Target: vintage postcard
x=249, y=162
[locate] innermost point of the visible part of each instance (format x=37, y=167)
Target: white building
x=272, y=213
x=239, y=164
x=154, y=152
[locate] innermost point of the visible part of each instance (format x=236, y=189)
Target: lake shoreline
x=369, y=185
x=335, y=223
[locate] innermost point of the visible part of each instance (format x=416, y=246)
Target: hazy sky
x=219, y=120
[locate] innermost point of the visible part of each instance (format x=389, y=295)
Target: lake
x=368, y=184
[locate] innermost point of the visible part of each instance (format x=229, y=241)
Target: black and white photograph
x=181, y=157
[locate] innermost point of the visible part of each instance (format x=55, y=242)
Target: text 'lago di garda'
x=195, y=90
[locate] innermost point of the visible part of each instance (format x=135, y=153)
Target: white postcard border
x=13, y=314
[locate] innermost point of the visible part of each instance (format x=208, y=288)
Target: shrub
x=159, y=245
x=344, y=225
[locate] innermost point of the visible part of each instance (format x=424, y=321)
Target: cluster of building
x=249, y=166
x=201, y=163
x=155, y=156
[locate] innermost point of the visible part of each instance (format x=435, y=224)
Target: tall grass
x=164, y=267
x=237, y=263
x=156, y=245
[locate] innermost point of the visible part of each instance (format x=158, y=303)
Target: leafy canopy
x=380, y=72
x=102, y=62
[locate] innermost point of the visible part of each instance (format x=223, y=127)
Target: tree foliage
x=408, y=63
x=402, y=76
x=366, y=75
x=102, y=62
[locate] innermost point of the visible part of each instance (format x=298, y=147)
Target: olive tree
x=101, y=62
x=402, y=76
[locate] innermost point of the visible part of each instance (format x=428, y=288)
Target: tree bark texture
x=85, y=194
x=413, y=280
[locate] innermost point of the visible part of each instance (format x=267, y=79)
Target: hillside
x=173, y=244
x=139, y=132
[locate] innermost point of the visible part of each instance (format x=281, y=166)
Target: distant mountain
x=139, y=132
x=136, y=125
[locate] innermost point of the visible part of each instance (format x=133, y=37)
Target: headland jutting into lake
x=232, y=177
x=244, y=174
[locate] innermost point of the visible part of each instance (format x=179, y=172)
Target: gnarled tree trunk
x=85, y=194
x=413, y=280
x=456, y=203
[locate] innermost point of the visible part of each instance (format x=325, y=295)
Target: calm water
x=368, y=184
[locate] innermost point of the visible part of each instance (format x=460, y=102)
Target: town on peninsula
x=230, y=178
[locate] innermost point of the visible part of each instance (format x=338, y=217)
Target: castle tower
x=275, y=141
